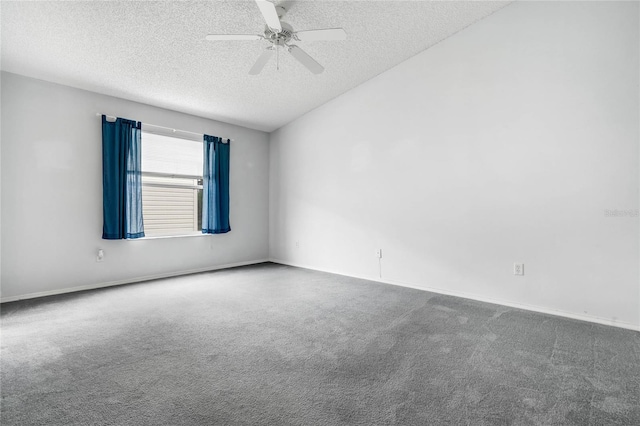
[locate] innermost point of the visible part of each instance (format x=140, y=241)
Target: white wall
x=504, y=143
x=52, y=194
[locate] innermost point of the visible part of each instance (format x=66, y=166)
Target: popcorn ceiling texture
x=155, y=52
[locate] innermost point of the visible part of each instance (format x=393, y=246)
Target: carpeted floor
x=275, y=345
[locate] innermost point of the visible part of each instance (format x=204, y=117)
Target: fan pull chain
x=277, y=58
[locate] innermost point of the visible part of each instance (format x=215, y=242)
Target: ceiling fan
x=281, y=34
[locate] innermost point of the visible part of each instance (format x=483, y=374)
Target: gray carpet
x=275, y=345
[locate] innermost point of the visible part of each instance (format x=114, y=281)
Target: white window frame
x=196, y=187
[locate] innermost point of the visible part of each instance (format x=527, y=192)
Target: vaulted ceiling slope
x=156, y=53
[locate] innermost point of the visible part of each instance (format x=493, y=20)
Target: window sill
x=162, y=237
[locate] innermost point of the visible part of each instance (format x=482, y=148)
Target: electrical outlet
x=100, y=255
x=379, y=253
x=297, y=244
x=518, y=269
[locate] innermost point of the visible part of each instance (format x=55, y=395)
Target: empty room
x=257, y=212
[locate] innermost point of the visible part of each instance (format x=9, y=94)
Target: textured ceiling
x=155, y=52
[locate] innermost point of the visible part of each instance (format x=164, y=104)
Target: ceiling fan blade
x=270, y=14
x=261, y=62
x=326, y=34
x=227, y=37
x=306, y=60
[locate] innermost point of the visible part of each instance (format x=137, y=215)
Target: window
x=171, y=185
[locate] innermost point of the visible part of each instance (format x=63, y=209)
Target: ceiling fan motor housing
x=279, y=39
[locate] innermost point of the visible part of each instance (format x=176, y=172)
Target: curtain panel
x=215, y=192
x=121, y=179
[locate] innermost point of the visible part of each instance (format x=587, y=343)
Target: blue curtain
x=215, y=193
x=121, y=179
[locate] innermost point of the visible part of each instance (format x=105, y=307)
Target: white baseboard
x=581, y=317
x=128, y=281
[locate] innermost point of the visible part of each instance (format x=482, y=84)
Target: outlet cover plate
x=518, y=269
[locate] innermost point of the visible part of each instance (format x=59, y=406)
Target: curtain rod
x=112, y=118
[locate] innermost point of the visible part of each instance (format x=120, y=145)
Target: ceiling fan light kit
x=280, y=34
